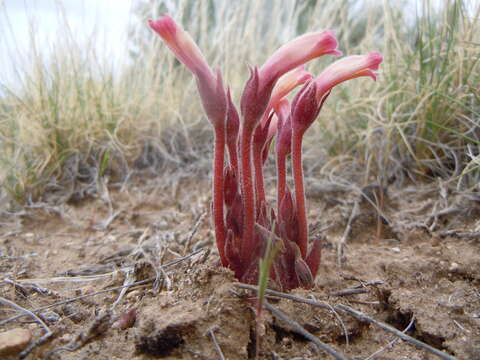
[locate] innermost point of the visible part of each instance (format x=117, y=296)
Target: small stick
x=285, y=296
x=363, y=283
x=103, y=225
x=41, y=340
x=433, y=218
x=197, y=354
x=340, y=320
x=197, y=224
x=370, y=283
x=365, y=302
x=166, y=280
x=26, y=312
x=97, y=327
x=391, y=343
x=298, y=328
x=30, y=285
x=346, y=233
x=361, y=316
x=347, y=292
x=437, y=214
x=129, y=279
x=217, y=347
x=460, y=326
x=460, y=235
x=68, y=301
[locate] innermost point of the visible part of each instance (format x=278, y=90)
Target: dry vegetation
x=418, y=121
x=97, y=163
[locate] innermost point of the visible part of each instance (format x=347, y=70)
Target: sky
x=18, y=18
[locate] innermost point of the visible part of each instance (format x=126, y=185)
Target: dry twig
x=97, y=328
x=340, y=320
x=284, y=295
x=460, y=234
x=25, y=286
x=217, y=346
x=346, y=233
x=194, y=230
x=347, y=292
x=391, y=343
x=361, y=316
x=298, y=328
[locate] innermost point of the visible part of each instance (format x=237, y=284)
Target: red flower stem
x=248, y=196
x=281, y=178
x=299, y=192
x=218, y=188
x=259, y=181
x=232, y=153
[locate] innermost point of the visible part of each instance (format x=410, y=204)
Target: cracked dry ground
x=422, y=256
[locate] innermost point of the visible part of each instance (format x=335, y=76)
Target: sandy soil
x=418, y=252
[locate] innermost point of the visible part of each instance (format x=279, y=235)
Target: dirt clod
x=14, y=341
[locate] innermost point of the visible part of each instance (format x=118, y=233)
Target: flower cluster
x=243, y=221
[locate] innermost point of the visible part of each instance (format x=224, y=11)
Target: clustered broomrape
x=242, y=219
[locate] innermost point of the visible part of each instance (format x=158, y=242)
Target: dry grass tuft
x=420, y=121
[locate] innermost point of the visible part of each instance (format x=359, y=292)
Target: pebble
x=126, y=320
x=66, y=338
x=162, y=224
x=396, y=249
x=51, y=316
x=133, y=294
x=453, y=266
x=14, y=341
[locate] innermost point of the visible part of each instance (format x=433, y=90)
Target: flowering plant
x=243, y=221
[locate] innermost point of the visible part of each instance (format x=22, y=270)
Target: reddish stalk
x=232, y=153
x=259, y=180
x=297, y=170
x=281, y=177
x=248, y=195
x=233, y=125
x=283, y=148
x=218, y=185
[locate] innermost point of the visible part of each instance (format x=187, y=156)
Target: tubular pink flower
x=272, y=130
x=283, y=87
x=349, y=67
x=210, y=84
x=305, y=109
x=181, y=44
x=297, y=52
x=214, y=101
x=287, y=83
